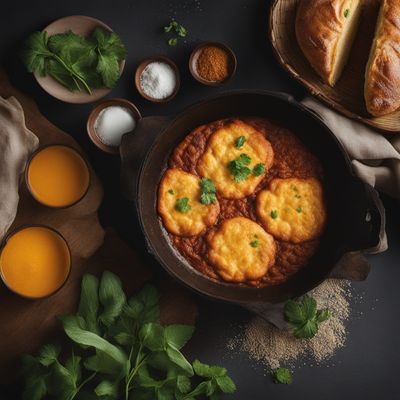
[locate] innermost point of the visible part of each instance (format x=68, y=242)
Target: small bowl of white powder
x=109, y=121
x=157, y=79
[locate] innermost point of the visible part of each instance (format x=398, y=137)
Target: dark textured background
x=367, y=368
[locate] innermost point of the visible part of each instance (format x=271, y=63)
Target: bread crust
x=319, y=24
x=382, y=77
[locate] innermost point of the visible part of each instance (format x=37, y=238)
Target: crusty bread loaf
x=382, y=75
x=325, y=31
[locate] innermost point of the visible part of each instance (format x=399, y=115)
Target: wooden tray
x=347, y=96
x=27, y=324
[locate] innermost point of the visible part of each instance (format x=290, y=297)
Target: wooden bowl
x=143, y=64
x=347, y=96
x=90, y=125
x=83, y=26
x=26, y=175
x=20, y=228
x=195, y=55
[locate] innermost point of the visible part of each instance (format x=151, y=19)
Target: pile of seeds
x=274, y=347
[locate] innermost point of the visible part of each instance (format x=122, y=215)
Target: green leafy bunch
x=76, y=62
x=176, y=28
x=303, y=316
x=117, y=349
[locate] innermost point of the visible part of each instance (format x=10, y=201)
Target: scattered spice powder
x=213, y=64
x=274, y=347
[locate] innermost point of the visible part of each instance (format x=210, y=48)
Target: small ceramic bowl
x=64, y=240
x=90, y=125
x=81, y=25
x=195, y=55
x=29, y=187
x=144, y=64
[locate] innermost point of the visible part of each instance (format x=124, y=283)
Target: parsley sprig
x=207, y=191
x=239, y=167
x=303, y=317
x=182, y=205
x=76, y=62
x=118, y=349
x=178, y=29
x=282, y=376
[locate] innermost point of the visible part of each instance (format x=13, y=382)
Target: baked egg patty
x=241, y=143
x=179, y=204
x=292, y=209
x=241, y=250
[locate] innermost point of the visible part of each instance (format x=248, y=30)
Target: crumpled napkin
x=375, y=157
x=17, y=142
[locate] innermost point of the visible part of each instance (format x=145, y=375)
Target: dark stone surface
x=367, y=368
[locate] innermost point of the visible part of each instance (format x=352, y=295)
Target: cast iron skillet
x=355, y=214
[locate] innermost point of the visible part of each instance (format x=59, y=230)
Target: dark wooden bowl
x=95, y=113
x=193, y=63
x=143, y=64
x=347, y=96
x=16, y=230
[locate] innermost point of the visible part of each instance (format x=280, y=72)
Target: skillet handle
x=133, y=149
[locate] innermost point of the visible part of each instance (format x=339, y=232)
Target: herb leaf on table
x=119, y=350
x=282, y=375
x=303, y=317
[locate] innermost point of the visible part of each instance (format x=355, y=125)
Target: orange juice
x=35, y=261
x=57, y=176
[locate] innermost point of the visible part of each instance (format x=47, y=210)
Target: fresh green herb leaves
x=259, y=169
x=239, y=142
x=255, y=243
x=173, y=41
x=282, y=375
x=346, y=12
x=207, y=191
x=182, y=205
x=177, y=29
x=274, y=214
x=120, y=351
x=303, y=317
x=76, y=62
x=239, y=167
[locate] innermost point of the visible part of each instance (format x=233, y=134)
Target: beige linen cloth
x=375, y=159
x=16, y=144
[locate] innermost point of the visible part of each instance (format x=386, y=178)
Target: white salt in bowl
x=157, y=59
x=97, y=112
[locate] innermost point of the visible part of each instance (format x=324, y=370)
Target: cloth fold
x=375, y=157
x=17, y=143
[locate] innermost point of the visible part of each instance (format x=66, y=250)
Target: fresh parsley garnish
x=182, y=205
x=238, y=167
x=274, y=214
x=117, y=349
x=299, y=209
x=282, y=375
x=176, y=28
x=173, y=41
x=259, y=169
x=207, y=191
x=255, y=243
x=76, y=62
x=170, y=191
x=346, y=13
x=239, y=142
x=303, y=317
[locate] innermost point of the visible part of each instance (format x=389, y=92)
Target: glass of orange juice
x=57, y=176
x=35, y=261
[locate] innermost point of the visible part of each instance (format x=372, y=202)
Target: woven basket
x=347, y=96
